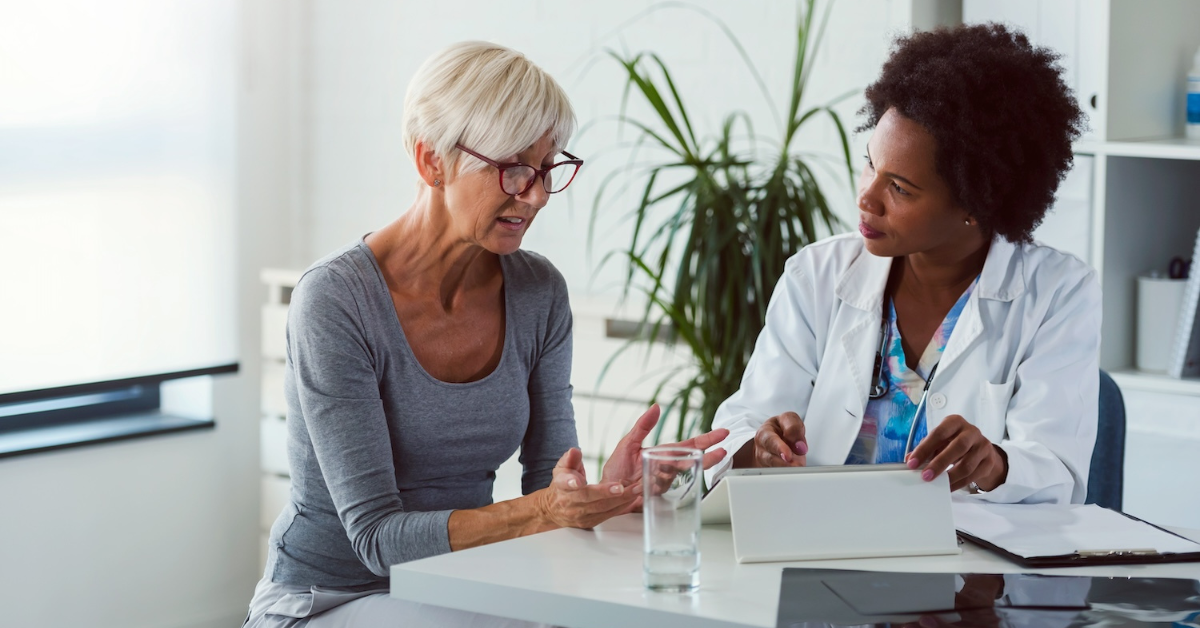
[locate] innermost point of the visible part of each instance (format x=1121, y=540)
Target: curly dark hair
x=1001, y=114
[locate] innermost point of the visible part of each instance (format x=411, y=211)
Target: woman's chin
x=878, y=247
x=503, y=246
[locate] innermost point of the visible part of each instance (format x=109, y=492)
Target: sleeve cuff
x=731, y=445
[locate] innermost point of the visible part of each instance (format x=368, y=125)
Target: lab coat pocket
x=993, y=409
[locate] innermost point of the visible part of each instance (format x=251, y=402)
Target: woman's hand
x=778, y=443
x=956, y=442
x=570, y=502
x=625, y=463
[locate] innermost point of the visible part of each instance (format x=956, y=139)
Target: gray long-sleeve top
x=380, y=451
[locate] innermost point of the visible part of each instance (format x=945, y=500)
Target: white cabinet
x=1129, y=207
x=275, y=482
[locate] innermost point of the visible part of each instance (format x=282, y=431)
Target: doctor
x=940, y=335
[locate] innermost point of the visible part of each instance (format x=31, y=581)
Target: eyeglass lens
x=516, y=179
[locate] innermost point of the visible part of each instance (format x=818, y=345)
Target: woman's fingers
x=706, y=440
x=643, y=426
x=713, y=457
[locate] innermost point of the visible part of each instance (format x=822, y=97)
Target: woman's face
x=905, y=206
x=484, y=215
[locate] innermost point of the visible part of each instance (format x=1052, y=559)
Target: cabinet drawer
x=273, y=446
x=1162, y=471
x=274, y=331
x=276, y=492
x=274, y=403
x=633, y=374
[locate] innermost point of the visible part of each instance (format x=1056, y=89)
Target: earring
x=437, y=182
x=967, y=222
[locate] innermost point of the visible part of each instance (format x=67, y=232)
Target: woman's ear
x=429, y=165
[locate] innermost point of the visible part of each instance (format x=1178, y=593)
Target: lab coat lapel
x=1002, y=279
x=861, y=287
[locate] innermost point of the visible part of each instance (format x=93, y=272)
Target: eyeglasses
x=517, y=178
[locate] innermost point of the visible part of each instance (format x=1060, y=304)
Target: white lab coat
x=1021, y=364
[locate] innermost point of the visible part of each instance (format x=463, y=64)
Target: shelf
x=1130, y=379
x=1165, y=148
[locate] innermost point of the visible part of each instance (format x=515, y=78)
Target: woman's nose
x=536, y=195
x=868, y=199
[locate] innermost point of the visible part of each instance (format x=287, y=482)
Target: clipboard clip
x=1115, y=553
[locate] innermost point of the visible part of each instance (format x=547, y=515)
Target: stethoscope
x=881, y=384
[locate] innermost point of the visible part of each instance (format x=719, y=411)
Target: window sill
x=95, y=431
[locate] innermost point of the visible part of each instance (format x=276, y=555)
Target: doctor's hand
x=625, y=463
x=780, y=442
x=956, y=442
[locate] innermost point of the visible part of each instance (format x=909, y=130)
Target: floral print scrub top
x=887, y=420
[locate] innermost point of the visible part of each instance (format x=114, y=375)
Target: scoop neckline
x=395, y=317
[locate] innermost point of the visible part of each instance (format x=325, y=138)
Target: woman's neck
x=422, y=257
x=944, y=274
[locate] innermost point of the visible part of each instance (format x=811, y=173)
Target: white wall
x=363, y=53
x=162, y=532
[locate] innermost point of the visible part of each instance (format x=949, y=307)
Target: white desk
x=593, y=579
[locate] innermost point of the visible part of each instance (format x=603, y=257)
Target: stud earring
x=967, y=222
x=437, y=182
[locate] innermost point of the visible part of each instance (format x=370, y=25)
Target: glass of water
x=671, y=484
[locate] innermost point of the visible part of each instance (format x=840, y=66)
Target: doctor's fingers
x=966, y=446
x=791, y=427
x=770, y=450
x=936, y=440
x=971, y=469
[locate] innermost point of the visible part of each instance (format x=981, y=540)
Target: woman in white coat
x=941, y=335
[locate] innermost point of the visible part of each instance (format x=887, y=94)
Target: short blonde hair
x=488, y=97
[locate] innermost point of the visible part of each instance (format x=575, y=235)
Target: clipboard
x=1096, y=535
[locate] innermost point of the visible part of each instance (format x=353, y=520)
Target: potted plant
x=709, y=246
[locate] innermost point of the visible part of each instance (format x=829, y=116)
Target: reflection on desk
x=832, y=597
x=592, y=579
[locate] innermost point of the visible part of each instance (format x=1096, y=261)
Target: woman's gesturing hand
x=956, y=442
x=779, y=442
x=625, y=463
x=571, y=502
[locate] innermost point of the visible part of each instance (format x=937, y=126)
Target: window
x=117, y=173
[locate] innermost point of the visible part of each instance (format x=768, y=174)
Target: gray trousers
x=288, y=606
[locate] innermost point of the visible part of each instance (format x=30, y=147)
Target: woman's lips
x=868, y=232
x=517, y=224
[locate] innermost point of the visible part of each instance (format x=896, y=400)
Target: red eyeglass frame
x=539, y=172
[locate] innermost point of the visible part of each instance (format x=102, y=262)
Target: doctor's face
x=905, y=206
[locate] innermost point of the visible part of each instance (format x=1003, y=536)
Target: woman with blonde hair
x=423, y=355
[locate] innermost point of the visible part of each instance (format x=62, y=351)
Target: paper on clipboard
x=1044, y=530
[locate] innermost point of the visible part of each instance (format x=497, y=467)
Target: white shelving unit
x=1127, y=61
x=276, y=474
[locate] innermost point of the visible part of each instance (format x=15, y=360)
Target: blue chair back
x=1106, y=481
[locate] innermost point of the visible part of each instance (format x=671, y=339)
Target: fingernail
x=801, y=448
x=913, y=463
x=572, y=483
x=617, y=489
x=927, y=475
x=784, y=456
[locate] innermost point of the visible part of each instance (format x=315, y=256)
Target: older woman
x=941, y=335
x=423, y=355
